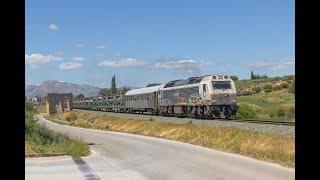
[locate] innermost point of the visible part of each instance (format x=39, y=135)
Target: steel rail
x=256, y=121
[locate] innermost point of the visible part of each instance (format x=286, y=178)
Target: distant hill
x=54, y=86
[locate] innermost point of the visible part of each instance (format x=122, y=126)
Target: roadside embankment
x=39, y=139
x=271, y=148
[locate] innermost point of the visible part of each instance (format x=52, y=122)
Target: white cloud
x=34, y=60
x=70, y=65
x=56, y=53
x=79, y=45
x=101, y=47
x=177, y=64
x=188, y=67
x=79, y=59
x=53, y=27
x=271, y=65
x=123, y=63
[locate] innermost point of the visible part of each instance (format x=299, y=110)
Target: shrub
x=284, y=85
x=256, y=89
x=291, y=112
x=267, y=86
x=276, y=87
x=245, y=111
x=272, y=115
x=246, y=93
x=281, y=113
x=267, y=90
x=292, y=87
x=70, y=116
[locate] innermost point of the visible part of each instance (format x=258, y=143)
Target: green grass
x=40, y=139
x=271, y=148
x=268, y=105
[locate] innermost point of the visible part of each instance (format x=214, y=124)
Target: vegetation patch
x=272, y=148
x=246, y=112
x=270, y=105
x=40, y=139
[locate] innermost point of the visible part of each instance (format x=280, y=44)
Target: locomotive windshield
x=221, y=84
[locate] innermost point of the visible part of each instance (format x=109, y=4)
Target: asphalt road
x=141, y=157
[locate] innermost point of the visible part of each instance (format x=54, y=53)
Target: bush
x=256, y=89
x=246, y=112
x=291, y=112
x=30, y=111
x=292, y=87
x=276, y=87
x=70, y=116
x=267, y=88
x=284, y=85
x=281, y=113
x=246, y=93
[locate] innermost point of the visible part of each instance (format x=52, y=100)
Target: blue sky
x=142, y=41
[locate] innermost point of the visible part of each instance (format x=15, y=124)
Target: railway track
x=255, y=121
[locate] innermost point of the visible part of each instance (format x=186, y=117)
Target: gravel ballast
x=288, y=131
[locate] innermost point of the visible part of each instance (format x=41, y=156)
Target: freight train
x=209, y=96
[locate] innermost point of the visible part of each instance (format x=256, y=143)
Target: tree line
x=113, y=90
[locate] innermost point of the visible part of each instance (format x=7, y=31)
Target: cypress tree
x=252, y=75
x=113, y=85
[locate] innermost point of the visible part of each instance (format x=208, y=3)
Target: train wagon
x=142, y=100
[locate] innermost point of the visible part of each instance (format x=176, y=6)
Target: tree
x=252, y=75
x=152, y=84
x=256, y=89
x=234, y=78
x=113, y=85
x=124, y=90
x=79, y=96
x=104, y=92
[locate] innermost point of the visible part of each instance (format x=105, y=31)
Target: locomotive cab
x=220, y=93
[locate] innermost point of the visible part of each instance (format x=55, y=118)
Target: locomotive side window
x=221, y=84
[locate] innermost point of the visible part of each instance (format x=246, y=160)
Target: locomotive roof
x=143, y=90
x=180, y=82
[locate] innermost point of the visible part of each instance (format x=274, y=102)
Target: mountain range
x=54, y=86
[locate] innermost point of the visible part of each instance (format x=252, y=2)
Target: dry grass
x=271, y=148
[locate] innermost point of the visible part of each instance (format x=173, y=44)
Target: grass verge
x=40, y=139
x=271, y=148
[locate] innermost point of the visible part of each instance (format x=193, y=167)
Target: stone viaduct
x=61, y=100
